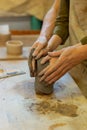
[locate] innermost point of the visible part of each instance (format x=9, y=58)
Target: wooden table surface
x=22, y=109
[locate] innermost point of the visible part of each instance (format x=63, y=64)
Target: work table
x=22, y=109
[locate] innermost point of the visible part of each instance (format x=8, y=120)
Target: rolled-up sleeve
x=62, y=21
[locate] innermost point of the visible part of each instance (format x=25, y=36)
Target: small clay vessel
x=14, y=47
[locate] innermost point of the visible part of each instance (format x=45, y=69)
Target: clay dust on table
x=46, y=107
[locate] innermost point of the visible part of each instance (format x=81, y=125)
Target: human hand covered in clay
x=37, y=51
x=40, y=47
x=67, y=58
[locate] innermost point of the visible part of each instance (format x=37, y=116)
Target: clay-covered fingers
x=55, y=53
x=47, y=71
x=34, y=45
x=45, y=59
x=52, y=68
x=57, y=74
x=41, y=75
x=43, y=52
x=38, y=48
x=43, y=71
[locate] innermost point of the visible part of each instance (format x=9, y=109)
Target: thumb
x=55, y=53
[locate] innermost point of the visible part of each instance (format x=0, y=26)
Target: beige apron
x=78, y=30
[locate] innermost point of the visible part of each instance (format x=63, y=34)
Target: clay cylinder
x=42, y=87
x=14, y=47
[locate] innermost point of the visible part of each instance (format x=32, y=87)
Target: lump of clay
x=31, y=64
x=40, y=87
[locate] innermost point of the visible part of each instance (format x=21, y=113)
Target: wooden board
x=5, y=56
x=22, y=109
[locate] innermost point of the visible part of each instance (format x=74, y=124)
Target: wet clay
x=31, y=58
x=45, y=107
x=40, y=87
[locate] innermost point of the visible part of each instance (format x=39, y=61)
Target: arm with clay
x=46, y=31
x=40, y=46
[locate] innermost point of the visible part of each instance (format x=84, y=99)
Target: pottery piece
x=40, y=87
x=14, y=47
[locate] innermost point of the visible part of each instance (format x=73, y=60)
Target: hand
x=32, y=64
x=40, y=47
x=66, y=59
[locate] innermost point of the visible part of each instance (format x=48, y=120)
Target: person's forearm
x=54, y=42
x=49, y=21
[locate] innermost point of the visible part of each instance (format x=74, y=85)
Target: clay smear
x=46, y=107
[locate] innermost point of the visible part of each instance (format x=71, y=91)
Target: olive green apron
x=78, y=30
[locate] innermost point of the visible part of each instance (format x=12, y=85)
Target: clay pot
x=14, y=47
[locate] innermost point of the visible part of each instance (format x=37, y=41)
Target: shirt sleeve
x=62, y=21
x=84, y=40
